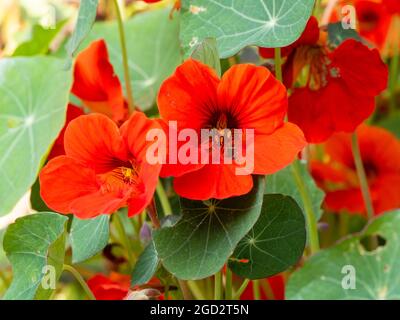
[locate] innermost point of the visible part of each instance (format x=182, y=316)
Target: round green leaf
x=275, y=242
x=146, y=266
x=200, y=243
x=328, y=274
x=33, y=99
x=240, y=23
x=284, y=182
x=89, y=237
x=153, y=51
x=32, y=243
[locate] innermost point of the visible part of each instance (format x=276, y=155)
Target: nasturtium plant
x=199, y=244
x=33, y=101
x=35, y=247
x=275, y=242
x=351, y=270
x=240, y=23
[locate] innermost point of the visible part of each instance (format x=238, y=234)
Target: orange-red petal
x=96, y=84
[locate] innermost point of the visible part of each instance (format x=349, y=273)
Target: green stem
x=218, y=286
x=278, y=64
x=311, y=220
x=241, y=289
x=312, y=224
x=123, y=237
x=194, y=287
x=228, y=284
x=81, y=281
x=184, y=290
x=162, y=196
x=362, y=176
x=256, y=290
x=128, y=86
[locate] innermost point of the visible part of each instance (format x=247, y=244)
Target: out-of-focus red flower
x=272, y=288
x=392, y=5
x=340, y=92
x=374, y=21
x=104, y=169
x=117, y=287
x=336, y=173
x=58, y=146
x=114, y=287
x=247, y=97
x=96, y=84
x=309, y=36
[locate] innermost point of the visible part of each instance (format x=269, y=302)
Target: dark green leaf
x=146, y=266
x=32, y=243
x=284, y=182
x=86, y=18
x=376, y=272
x=207, y=52
x=200, y=243
x=237, y=24
x=89, y=237
x=276, y=241
x=37, y=202
x=33, y=100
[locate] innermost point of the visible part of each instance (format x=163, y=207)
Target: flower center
x=120, y=178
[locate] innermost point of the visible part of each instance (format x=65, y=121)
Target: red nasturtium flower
x=118, y=287
x=247, y=97
x=336, y=173
x=104, y=168
x=114, y=287
x=340, y=91
x=96, y=84
x=272, y=288
x=58, y=146
x=374, y=21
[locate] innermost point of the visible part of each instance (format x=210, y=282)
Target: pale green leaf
x=33, y=100
x=240, y=23
x=327, y=275
x=153, y=51
x=89, y=237
x=30, y=244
